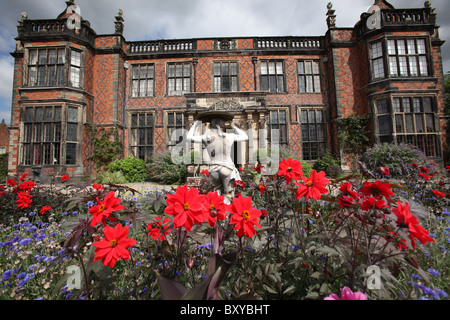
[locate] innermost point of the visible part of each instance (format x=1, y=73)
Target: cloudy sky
x=172, y=19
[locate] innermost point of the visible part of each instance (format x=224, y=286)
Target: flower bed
x=287, y=236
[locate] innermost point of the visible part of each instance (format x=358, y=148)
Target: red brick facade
x=311, y=81
x=4, y=138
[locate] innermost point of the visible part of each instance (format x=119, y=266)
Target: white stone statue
x=217, y=155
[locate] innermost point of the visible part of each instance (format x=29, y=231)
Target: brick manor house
x=66, y=77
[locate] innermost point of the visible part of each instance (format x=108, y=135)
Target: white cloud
x=6, y=81
x=5, y=115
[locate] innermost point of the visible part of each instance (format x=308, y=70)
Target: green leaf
x=289, y=289
x=312, y=296
x=269, y=289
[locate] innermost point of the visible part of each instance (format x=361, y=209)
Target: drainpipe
x=125, y=66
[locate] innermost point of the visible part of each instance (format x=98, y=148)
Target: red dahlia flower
x=405, y=219
x=114, y=246
x=370, y=203
x=290, y=169
x=425, y=176
x=205, y=172
x=158, y=229
x=45, y=209
x=65, y=177
x=244, y=217
x=186, y=205
x=98, y=187
x=214, y=207
x=377, y=189
x=314, y=186
x=104, y=208
x=346, y=189
x=346, y=201
x=239, y=183
x=24, y=200
x=23, y=176
x=384, y=171
x=11, y=182
x=259, y=168
x=26, y=186
x=261, y=188
x=438, y=193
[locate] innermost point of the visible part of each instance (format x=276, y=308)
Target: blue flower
x=27, y=278
x=25, y=241
x=442, y=293
x=21, y=275
x=41, y=237
x=434, y=272
x=6, y=275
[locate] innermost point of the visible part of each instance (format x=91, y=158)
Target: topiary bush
x=133, y=169
x=398, y=158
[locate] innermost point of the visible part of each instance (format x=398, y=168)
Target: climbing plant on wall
x=106, y=146
x=352, y=134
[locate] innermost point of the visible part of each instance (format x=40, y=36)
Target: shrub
x=116, y=177
x=397, y=157
x=333, y=171
x=325, y=161
x=162, y=169
x=133, y=169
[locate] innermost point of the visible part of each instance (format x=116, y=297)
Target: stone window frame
x=377, y=57
x=269, y=124
x=320, y=136
x=67, y=66
x=184, y=87
x=148, y=128
x=408, y=121
x=149, y=80
x=221, y=76
x=47, y=141
x=313, y=74
x=419, y=56
x=275, y=74
x=171, y=127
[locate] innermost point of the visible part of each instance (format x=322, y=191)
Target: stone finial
x=427, y=4
x=119, y=22
x=20, y=27
x=331, y=17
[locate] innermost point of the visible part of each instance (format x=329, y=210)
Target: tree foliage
x=352, y=133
